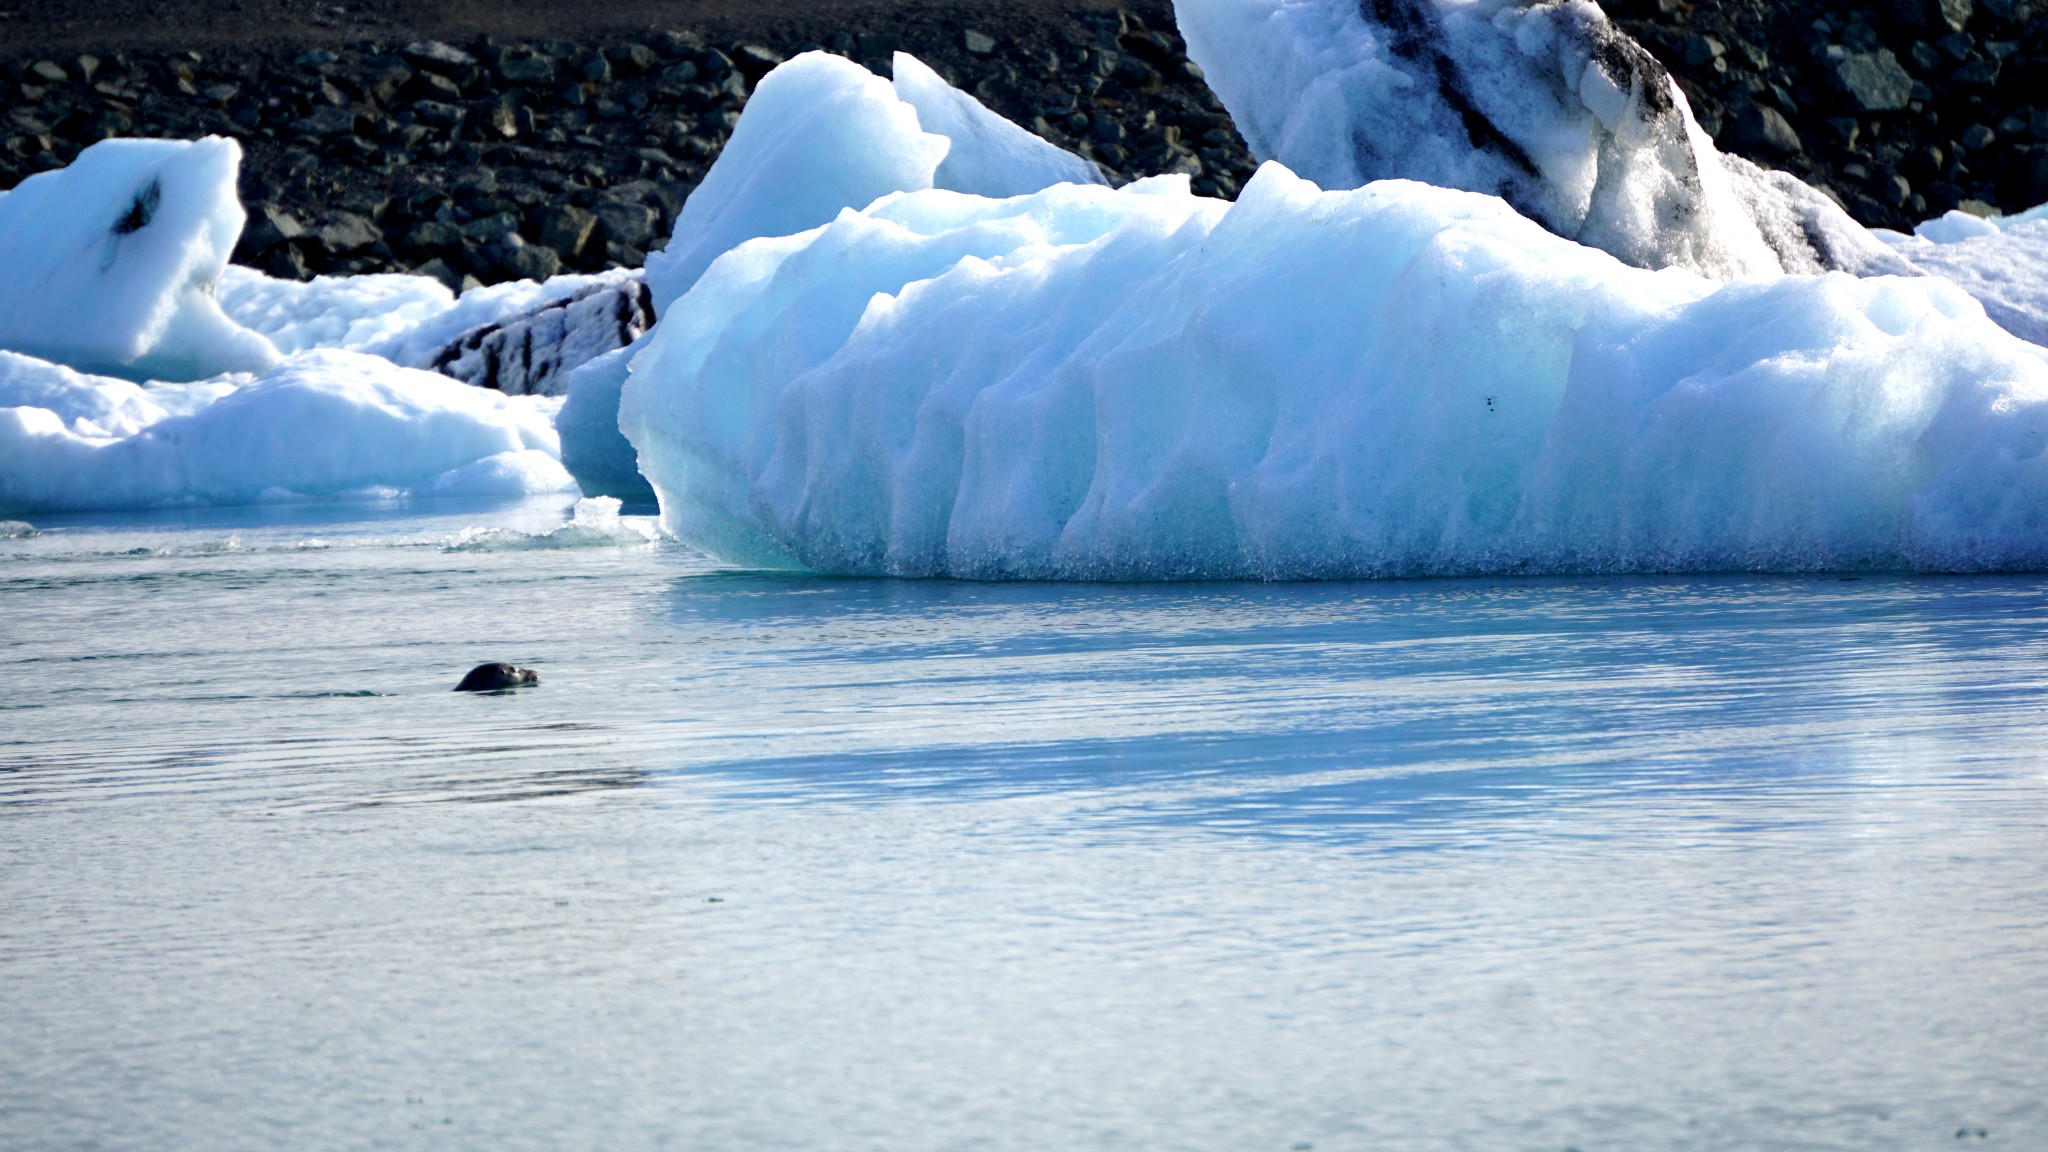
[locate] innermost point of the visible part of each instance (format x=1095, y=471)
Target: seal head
x=497, y=678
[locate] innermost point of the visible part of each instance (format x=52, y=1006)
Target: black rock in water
x=497, y=678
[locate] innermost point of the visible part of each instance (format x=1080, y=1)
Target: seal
x=497, y=678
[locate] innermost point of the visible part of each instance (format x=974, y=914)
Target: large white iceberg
x=1396, y=380
x=1542, y=102
x=322, y=424
x=110, y=263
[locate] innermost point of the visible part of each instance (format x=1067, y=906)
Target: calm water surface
x=788, y=862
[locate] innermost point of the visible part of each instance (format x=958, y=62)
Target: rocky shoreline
x=1901, y=109
x=483, y=160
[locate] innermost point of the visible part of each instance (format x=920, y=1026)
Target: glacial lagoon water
x=793, y=862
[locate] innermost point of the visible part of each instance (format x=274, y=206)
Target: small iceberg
x=595, y=523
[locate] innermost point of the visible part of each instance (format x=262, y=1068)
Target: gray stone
x=270, y=227
x=633, y=59
x=437, y=114
x=434, y=86
x=566, y=229
x=496, y=226
x=979, y=43
x=384, y=88
x=439, y=269
x=592, y=68
x=286, y=262
x=497, y=119
x=436, y=56
x=1977, y=73
x=1929, y=15
x=1977, y=137
x=1764, y=127
x=343, y=233
x=529, y=261
x=1874, y=80
x=755, y=60
x=48, y=72
x=433, y=236
x=326, y=121
x=526, y=70
x=626, y=224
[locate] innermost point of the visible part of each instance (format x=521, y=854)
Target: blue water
x=774, y=861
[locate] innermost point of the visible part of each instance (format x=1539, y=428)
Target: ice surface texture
x=111, y=262
x=1542, y=102
x=2003, y=265
x=1396, y=380
x=322, y=424
x=822, y=134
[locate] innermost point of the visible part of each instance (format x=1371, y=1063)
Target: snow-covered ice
x=353, y=313
x=595, y=523
x=1542, y=102
x=822, y=135
x=2003, y=263
x=408, y=320
x=986, y=154
x=321, y=424
x=111, y=262
x=1396, y=380
x=819, y=135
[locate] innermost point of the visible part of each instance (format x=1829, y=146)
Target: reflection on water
x=782, y=861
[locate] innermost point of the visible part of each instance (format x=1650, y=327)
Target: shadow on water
x=1339, y=710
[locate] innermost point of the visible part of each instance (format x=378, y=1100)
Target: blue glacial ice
x=820, y=136
x=1397, y=380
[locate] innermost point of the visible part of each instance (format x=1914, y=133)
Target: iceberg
x=111, y=262
x=1545, y=103
x=594, y=523
x=822, y=135
x=1397, y=380
x=593, y=449
x=986, y=154
x=321, y=424
x=819, y=135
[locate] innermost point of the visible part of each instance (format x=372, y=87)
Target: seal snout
x=497, y=677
